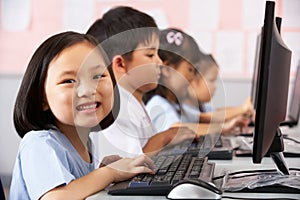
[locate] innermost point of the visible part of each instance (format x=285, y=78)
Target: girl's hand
x=127, y=168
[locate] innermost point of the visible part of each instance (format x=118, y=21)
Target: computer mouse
x=194, y=189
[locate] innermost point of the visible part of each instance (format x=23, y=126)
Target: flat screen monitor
x=255, y=72
x=292, y=118
x=254, y=91
x=272, y=91
x=294, y=111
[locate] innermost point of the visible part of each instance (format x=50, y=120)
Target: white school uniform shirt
x=46, y=159
x=163, y=114
x=129, y=133
x=191, y=114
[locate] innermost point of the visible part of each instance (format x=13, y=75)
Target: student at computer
x=201, y=91
x=179, y=53
x=131, y=39
x=65, y=91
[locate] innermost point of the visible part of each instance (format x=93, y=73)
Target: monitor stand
x=276, y=153
x=280, y=164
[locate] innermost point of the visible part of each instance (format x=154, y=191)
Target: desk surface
x=236, y=164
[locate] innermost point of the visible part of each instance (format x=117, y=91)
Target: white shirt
x=191, y=114
x=128, y=134
x=162, y=113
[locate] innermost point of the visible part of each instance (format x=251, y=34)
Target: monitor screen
x=255, y=72
x=272, y=89
x=294, y=111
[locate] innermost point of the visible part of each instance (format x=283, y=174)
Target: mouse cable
x=243, y=198
x=251, y=172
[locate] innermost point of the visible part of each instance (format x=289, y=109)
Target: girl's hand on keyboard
x=127, y=168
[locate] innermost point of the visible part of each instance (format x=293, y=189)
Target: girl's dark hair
x=28, y=111
x=176, y=46
x=122, y=29
x=206, y=63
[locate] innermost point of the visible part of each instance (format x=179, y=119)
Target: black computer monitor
x=254, y=90
x=292, y=118
x=255, y=72
x=272, y=91
x=294, y=111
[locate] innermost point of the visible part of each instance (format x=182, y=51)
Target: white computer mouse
x=194, y=189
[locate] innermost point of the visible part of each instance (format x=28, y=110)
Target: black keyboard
x=169, y=170
x=211, y=146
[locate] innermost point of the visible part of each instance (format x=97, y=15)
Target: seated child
x=202, y=89
x=130, y=38
x=179, y=53
x=66, y=90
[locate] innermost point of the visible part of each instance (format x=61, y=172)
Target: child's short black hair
x=28, y=110
x=122, y=29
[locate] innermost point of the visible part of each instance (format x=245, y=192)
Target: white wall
x=9, y=140
x=231, y=92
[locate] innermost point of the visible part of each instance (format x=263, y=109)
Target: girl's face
x=78, y=88
x=204, y=86
x=142, y=71
x=179, y=78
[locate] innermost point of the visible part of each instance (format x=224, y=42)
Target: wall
x=225, y=28
x=9, y=140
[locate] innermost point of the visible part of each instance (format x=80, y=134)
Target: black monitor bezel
x=267, y=135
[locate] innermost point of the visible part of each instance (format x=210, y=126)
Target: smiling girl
x=66, y=91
